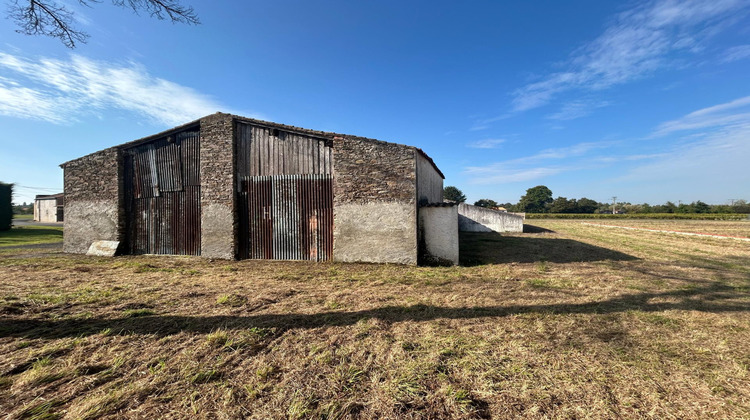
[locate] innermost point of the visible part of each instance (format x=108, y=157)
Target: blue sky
x=648, y=101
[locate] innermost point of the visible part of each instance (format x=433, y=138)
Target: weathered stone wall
x=439, y=232
x=479, y=219
x=93, y=200
x=217, y=178
x=429, y=182
x=375, y=213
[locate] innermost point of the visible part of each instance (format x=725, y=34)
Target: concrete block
x=103, y=248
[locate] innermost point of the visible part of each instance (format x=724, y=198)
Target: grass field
x=571, y=321
x=30, y=235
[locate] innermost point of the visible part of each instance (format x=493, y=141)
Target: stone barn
x=226, y=186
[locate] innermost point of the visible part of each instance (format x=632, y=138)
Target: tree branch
x=162, y=9
x=46, y=17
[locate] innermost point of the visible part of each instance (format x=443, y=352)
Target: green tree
x=53, y=18
x=563, y=205
x=700, y=207
x=453, y=194
x=586, y=205
x=536, y=199
x=485, y=202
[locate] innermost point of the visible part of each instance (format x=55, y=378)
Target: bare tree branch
x=46, y=17
x=162, y=9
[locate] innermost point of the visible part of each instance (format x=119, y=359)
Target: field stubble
x=569, y=321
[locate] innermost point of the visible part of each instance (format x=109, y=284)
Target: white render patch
x=439, y=227
x=103, y=248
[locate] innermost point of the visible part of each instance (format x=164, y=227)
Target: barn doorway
x=162, y=195
x=284, y=195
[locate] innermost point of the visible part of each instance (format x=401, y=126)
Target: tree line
x=540, y=199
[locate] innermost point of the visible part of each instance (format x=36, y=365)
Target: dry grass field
x=568, y=321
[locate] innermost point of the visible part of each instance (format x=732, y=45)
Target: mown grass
x=573, y=321
x=28, y=235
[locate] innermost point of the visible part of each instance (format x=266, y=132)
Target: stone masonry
x=93, y=200
x=217, y=175
x=375, y=213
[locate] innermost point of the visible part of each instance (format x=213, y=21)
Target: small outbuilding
x=226, y=186
x=49, y=208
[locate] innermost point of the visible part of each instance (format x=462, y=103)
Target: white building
x=48, y=208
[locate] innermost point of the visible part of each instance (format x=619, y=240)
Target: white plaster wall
x=45, y=211
x=479, y=219
x=439, y=227
x=375, y=232
x=87, y=221
x=217, y=231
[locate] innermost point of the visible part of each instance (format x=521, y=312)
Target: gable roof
x=325, y=135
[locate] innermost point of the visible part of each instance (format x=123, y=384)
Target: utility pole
x=614, y=205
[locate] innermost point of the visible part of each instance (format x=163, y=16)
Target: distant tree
x=668, y=207
x=586, y=205
x=485, y=202
x=700, y=207
x=536, y=199
x=53, y=18
x=453, y=194
x=741, y=206
x=6, y=206
x=683, y=208
x=563, y=205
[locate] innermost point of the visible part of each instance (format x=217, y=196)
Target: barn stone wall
x=93, y=200
x=217, y=175
x=374, y=201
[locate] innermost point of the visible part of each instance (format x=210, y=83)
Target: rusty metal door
x=286, y=217
x=162, y=196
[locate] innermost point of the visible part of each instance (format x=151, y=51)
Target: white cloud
x=713, y=169
x=577, y=109
x=739, y=52
x=533, y=167
x=486, y=144
x=500, y=174
x=60, y=91
x=714, y=116
x=636, y=42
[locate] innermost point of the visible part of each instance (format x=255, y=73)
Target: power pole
x=614, y=205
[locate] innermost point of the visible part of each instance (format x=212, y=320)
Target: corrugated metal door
x=286, y=217
x=162, y=195
x=284, y=193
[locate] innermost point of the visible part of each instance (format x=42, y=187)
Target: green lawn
x=29, y=235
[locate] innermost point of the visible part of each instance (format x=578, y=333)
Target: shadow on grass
x=715, y=298
x=535, y=229
x=493, y=248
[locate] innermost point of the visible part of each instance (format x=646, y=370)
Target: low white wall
x=479, y=219
x=439, y=227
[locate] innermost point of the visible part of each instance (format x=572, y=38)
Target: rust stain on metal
x=162, y=196
x=285, y=195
